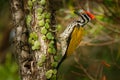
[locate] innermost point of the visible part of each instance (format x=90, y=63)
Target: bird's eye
x=81, y=11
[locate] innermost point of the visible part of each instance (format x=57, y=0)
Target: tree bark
x=35, y=44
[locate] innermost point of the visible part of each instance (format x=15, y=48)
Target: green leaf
x=48, y=15
x=53, y=77
x=47, y=26
x=59, y=27
x=28, y=19
x=52, y=50
x=57, y=57
x=43, y=30
x=32, y=38
x=39, y=17
x=31, y=41
x=54, y=71
x=43, y=37
x=36, y=45
x=47, y=20
x=51, y=44
x=43, y=2
x=39, y=10
x=30, y=3
x=54, y=64
x=49, y=74
x=41, y=23
x=49, y=35
x=42, y=60
x=49, y=50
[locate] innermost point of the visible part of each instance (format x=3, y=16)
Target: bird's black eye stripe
x=87, y=17
x=82, y=16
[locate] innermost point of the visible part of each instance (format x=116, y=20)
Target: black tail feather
x=62, y=59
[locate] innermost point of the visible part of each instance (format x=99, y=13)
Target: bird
x=74, y=32
x=77, y=33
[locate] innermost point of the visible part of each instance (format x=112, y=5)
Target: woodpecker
x=77, y=33
x=72, y=35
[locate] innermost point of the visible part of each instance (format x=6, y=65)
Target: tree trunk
x=35, y=44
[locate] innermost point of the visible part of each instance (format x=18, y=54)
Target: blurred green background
x=97, y=57
x=8, y=63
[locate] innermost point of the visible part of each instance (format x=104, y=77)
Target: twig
x=109, y=26
x=77, y=73
x=97, y=44
x=100, y=72
x=85, y=71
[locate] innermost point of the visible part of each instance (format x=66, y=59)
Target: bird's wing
x=75, y=39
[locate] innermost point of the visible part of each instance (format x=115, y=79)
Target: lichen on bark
x=34, y=24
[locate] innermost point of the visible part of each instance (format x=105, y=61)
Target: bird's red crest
x=90, y=15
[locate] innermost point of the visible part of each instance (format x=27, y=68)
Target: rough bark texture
x=28, y=59
x=21, y=39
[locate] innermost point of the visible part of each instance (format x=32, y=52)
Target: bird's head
x=85, y=15
x=83, y=12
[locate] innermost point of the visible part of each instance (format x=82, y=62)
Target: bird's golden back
x=75, y=38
